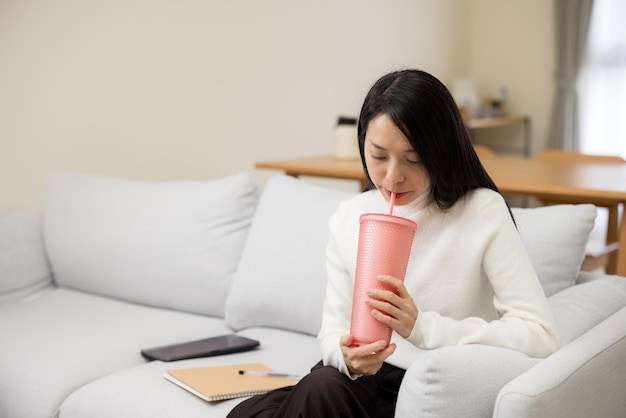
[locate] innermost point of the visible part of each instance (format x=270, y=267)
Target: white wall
x=191, y=89
x=512, y=44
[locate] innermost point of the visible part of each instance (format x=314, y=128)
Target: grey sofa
x=108, y=266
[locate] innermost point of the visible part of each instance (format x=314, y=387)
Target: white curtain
x=572, y=19
x=602, y=82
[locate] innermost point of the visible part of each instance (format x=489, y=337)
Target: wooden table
x=601, y=184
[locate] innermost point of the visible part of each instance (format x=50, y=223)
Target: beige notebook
x=219, y=383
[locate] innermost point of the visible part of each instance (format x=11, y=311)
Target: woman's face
x=392, y=163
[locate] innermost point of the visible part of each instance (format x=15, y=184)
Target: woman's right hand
x=365, y=359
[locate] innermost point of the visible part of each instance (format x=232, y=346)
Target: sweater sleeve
x=525, y=323
x=337, y=305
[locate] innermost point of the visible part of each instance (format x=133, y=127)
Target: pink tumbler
x=384, y=248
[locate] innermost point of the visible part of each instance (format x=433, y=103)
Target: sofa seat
x=61, y=339
x=152, y=395
x=143, y=391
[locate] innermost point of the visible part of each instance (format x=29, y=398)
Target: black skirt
x=327, y=393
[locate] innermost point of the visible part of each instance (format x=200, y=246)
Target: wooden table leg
x=621, y=251
x=612, y=235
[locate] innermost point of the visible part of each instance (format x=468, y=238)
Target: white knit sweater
x=468, y=273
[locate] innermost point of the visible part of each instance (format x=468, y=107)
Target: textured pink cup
x=384, y=248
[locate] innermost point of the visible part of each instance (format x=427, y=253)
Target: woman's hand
x=397, y=309
x=394, y=308
x=365, y=359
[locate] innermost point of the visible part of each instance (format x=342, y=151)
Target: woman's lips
x=399, y=195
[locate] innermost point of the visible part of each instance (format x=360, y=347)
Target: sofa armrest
x=458, y=381
x=24, y=268
x=585, y=378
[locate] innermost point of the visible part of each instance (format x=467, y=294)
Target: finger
x=396, y=283
x=394, y=310
x=370, y=363
x=346, y=340
x=385, y=318
x=379, y=356
x=370, y=349
x=385, y=296
x=364, y=361
x=354, y=352
x=402, y=323
x=395, y=295
x=383, y=355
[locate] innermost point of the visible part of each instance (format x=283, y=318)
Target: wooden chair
x=603, y=254
x=483, y=151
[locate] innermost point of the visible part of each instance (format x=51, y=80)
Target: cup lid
x=382, y=217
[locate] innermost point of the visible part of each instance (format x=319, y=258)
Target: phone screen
x=214, y=346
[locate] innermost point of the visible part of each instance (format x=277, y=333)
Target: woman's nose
x=395, y=173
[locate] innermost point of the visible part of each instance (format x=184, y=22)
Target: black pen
x=268, y=374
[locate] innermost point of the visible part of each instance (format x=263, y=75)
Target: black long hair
x=425, y=111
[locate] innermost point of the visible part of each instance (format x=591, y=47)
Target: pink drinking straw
x=392, y=201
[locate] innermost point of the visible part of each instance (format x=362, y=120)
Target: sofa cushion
x=24, y=268
x=172, y=244
x=143, y=392
x=281, y=278
x=555, y=238
x=56, y=343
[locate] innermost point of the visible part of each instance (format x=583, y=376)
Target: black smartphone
x=214, y=346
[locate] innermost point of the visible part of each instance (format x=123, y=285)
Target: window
x=602, y=83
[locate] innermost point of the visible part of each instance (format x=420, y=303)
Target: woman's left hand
x=398, y=310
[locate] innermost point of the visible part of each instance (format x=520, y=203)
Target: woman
x=469, y=280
